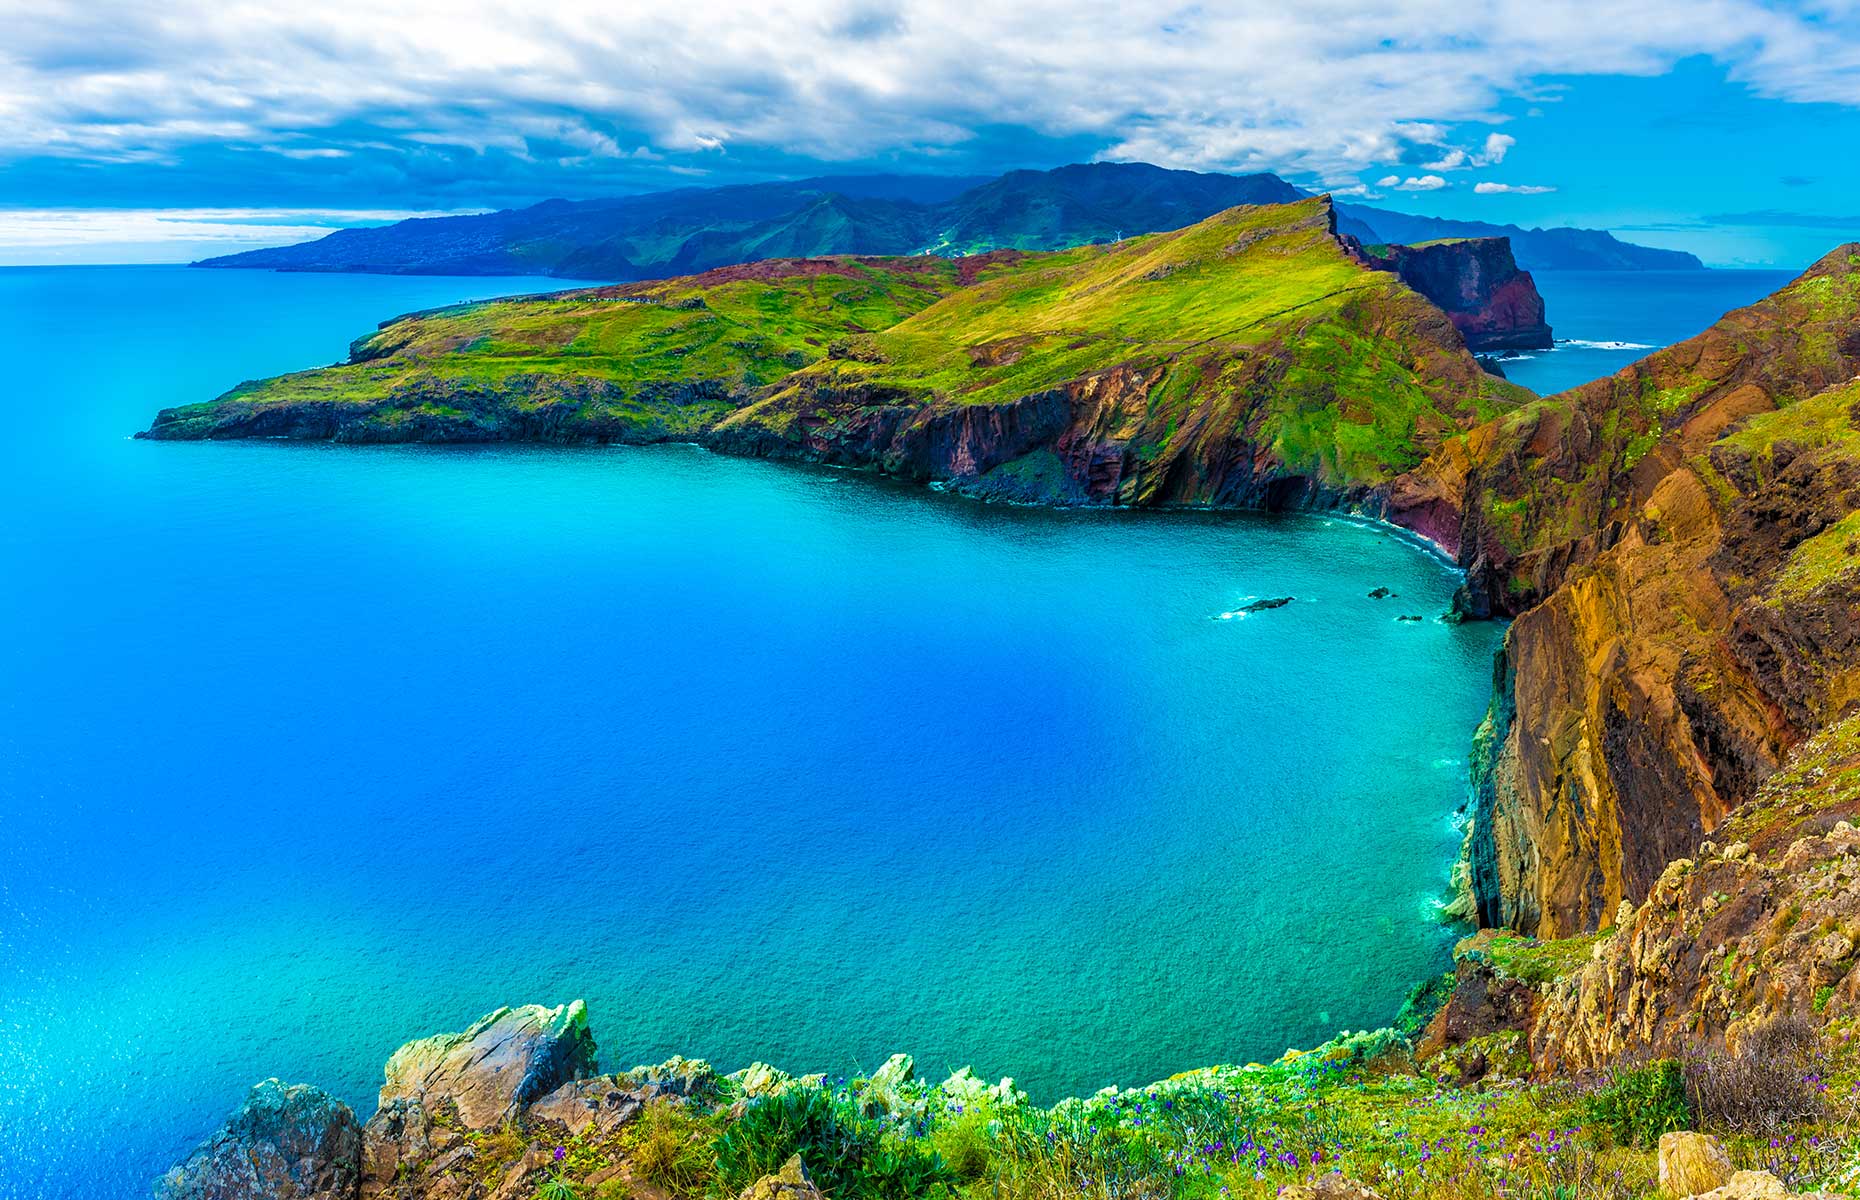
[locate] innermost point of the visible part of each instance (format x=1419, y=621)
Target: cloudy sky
x=133, y=130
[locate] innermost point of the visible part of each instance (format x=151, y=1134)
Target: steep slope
x=1675, y=542
x=1246, y=360
x=1251, y=359
x=663, y=234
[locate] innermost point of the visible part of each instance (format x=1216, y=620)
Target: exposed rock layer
x=1477, y=283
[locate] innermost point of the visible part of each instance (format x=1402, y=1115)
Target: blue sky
x=133, y=132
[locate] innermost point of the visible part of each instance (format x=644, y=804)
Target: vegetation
x=1642, y=1103
x=1253, y=330
x=1359, y=1106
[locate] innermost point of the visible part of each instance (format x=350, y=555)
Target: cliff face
x=1671, y=542
x=1758, y=922
x=1477, y=283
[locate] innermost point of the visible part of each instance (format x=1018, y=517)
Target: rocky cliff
x=1477, y=283
x=1673, y=542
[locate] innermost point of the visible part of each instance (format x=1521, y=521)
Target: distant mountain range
x=662, y=234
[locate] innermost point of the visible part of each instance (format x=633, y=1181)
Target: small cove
x=312, y=749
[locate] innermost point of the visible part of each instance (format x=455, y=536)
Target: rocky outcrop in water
x=445, y=1126
x=286, y=1140
x=1477, y=283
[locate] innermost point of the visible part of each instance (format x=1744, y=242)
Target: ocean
x=1604, y=320
x=309, y=750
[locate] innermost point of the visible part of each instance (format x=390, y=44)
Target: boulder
x=285, y=1142
x=505, y=1060
x=1691, y=1163
x=789, y=1183
x=885, y=1091
x=1749, y=1185
x=676, y=1076
x=600, y=1102
x=760, y=1079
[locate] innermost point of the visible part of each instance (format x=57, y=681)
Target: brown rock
x=1691, y=1163
x=286, y=1142
x=789, y=1183
x=1750, y=1185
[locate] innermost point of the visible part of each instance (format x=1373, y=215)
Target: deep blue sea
x=309, y=750
x=1604, y=320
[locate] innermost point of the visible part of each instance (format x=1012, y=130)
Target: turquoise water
x=1604, y=320
x=308, y=750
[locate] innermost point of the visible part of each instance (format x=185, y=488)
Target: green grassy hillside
x=1206, y=365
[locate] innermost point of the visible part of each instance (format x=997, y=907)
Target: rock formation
x=1477, y=283
x=285, y=1140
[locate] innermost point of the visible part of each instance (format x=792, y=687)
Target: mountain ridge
x=658, y=235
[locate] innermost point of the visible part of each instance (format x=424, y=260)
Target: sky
x=133, y=130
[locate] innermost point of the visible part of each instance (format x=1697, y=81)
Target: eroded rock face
x=286, y=1142
x=1760, y=926
x=1478, y=284
x=1685, y=613
x=505, y=1060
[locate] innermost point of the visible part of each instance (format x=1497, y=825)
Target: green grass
x=1252, y=328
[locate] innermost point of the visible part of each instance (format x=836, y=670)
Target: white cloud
x=1497, y=145
x=1323, y=90
x=1425, y=183
x=1511, y=189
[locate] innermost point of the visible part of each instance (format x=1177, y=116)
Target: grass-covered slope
x=639, y=363
x=1247, y=359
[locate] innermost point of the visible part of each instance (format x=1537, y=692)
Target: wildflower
x=560, y=1153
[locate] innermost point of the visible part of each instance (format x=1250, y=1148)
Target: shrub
x=1643, y=1102
x=670, y=1148
x=1774, y=1079
x=965, y=1146
x=1425, y=999
x=846, y=1155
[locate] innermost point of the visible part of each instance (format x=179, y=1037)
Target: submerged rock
x=1382, y=593
x=286, y=1142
